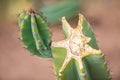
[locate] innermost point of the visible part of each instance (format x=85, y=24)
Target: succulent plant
x=75, y=58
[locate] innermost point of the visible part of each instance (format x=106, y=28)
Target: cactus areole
x=75, y=58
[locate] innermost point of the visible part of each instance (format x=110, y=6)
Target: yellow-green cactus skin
x=77, y=57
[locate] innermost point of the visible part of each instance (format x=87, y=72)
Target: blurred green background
x=17, y=64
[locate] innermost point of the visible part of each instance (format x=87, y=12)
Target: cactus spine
x=75, y=58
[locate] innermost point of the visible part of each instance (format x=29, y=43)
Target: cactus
x=75, y=58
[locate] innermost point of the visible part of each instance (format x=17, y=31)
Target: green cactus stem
x=35, y=33
x=77, y=57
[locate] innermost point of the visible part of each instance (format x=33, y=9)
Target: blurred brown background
x=17, y=64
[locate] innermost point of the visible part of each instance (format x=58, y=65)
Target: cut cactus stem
x=76, y=44
x=77, y=57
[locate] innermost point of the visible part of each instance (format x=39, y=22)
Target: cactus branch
x=76, y=45
x=34, y=33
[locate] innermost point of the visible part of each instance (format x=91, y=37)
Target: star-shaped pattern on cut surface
x=75, y=43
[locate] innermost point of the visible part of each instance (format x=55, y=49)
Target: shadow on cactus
x=75, y=58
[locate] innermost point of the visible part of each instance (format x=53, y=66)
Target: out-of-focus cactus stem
x=67, y=8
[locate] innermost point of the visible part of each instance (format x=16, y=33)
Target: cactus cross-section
x=77, y=57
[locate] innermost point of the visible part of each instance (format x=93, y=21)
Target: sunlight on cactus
x=75, y=58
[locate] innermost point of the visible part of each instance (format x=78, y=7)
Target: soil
x=17, y=64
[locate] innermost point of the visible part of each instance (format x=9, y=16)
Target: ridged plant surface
x=35, y=33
